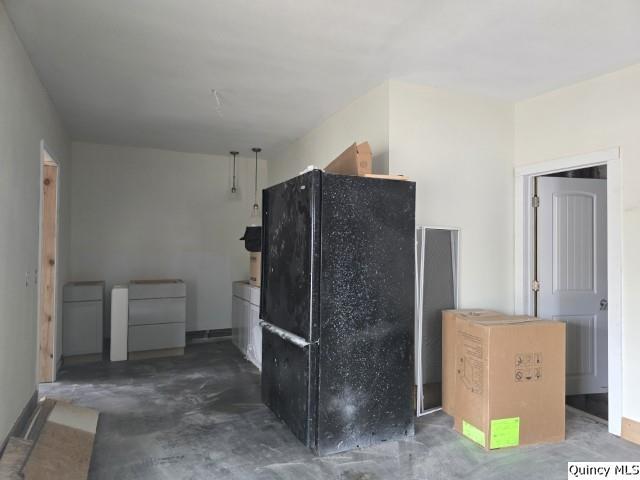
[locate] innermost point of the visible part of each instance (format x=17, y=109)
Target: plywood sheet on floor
x=73, y=416
x=61, y=453
x=40, y=418
x=65, y=444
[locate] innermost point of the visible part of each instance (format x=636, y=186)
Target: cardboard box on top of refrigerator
x=355, y=160
x=510, y=388
x=448, y=350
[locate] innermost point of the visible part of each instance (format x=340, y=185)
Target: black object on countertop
x=253, y=238
x=338, y=273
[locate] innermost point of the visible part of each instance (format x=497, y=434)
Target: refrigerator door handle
x=285, y=334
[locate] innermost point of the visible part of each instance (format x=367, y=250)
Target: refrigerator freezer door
x=286, y=378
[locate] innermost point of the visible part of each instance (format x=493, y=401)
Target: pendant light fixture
x=234, y=188
x=256, y=208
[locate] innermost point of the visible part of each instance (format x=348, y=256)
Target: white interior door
x=572, y=271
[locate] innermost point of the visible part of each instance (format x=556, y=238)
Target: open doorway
x=47, y=267
x=570, y=265
x=595, y=339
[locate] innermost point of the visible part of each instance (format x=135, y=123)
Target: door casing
x=524, y=255
x=47, y=315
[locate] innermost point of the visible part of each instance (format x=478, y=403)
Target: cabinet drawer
x=241, y=290
x=141, y=289
x=247, y=292
x=156, y=337
x=83, y=291
x=156, y=311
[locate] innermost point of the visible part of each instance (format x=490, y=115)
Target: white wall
x=586, y=117
x=458, y=149
x=144, y=213
x=27, y=116
x=365, y=119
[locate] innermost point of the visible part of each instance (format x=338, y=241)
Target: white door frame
x=524, y=257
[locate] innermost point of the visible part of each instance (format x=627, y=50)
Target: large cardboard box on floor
x=449, y=370
x=510, y=388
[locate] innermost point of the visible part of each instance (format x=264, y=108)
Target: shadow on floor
x=595, y=404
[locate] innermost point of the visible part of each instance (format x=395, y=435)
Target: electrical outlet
x=26, y=279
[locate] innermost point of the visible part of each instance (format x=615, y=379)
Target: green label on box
x=505, y=432
x=473, y=433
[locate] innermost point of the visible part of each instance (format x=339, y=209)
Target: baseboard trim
x=21, y=422
x=149, y=354
x=631, y=430
x=216, y=333
x=82, y=359
x=208, y=336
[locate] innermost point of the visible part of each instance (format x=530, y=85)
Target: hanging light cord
x=255, y=192
x=233, y=185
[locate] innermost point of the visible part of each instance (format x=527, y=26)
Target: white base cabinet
x=157, y=315
x=246, y=333
x=82, y=316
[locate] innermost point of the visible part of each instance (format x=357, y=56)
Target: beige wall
x=366, y=118
x=586, y=117
x=27, y=116
x=145, y=213
x=458, y=149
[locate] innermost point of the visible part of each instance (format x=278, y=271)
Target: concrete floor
x=200, y=416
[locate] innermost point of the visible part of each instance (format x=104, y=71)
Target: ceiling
x=141, y=72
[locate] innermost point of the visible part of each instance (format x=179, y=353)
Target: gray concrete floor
x=200, y=416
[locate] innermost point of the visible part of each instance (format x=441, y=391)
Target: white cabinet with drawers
x=246, y=333
x=157, y=316
x=82, y=316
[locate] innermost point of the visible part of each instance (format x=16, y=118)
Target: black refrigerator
x=337, y=308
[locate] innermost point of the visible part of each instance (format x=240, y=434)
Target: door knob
x=603, y=304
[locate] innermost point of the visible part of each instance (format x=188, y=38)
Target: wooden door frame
x=46, y=365
x=524, y=255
